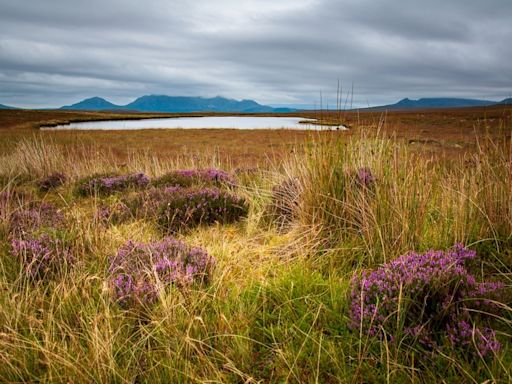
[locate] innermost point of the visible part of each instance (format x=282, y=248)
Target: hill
x=6, y=107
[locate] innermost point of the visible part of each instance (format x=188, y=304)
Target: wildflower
x=141, y=271
x=190, y=177
x=431, y=294
x=43, y=256
x=109, y=184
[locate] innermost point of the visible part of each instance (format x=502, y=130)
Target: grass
x=277, y=307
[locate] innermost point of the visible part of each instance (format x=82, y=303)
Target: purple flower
x=365, y=177
x=190, y=208
x=42, y=257
x=109, y=184
x=190, y=177
x=140, y=271
x=431, y=294
x=37, y=215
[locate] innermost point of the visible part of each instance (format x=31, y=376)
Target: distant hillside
x=506, y=101
x=6, y=107
x=93, y=104
x=437, y=103
x=162, y=103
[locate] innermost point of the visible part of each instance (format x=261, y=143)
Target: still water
x=226, y=122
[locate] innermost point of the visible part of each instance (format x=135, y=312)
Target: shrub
x=140, y=271
x=364, y=177
x=431, y=296
x=25, y=221
x=190, y=208
x=190, y=177
x=148, y=203
x=42, y=257
x=52, y=181
x=108, y=184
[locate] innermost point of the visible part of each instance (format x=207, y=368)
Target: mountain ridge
x=164, y=103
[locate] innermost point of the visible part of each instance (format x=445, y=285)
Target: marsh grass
x=276, y=308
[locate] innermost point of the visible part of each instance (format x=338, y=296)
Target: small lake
x=222, y=122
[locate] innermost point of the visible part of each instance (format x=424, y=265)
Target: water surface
x=226, y=122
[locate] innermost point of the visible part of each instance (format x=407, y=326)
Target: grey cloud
x=56, y=52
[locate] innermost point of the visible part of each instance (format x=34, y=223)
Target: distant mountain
x=506, y=101
x=93, y=104
x=6, y=107
x=162, y=103
x=445, y=102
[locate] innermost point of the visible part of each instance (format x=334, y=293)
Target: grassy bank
x=276, y=307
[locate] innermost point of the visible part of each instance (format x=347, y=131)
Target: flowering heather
x=42, y=257
x=107, y=185
x=190, y=208
x=37, y=215
x=140, y=271
x=148, y=203
x=365, y=178
x=190, y=177
x=432, y=295
x=52, y=181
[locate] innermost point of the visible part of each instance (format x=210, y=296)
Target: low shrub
x=109, y=184
x=25, y=221
x=191, y=208
x=146, y=204
x=42, y=257
x=191, y=177
x=51, y=182
x=139, y=272
x=428, y=299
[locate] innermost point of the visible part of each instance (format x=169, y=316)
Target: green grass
x=276, y=309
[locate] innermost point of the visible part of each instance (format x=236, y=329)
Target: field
x=379, y=254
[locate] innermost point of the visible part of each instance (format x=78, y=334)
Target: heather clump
x=42, y=257
x=24, y=221
x=109, y=184
x=428, y=299
x=191, y=208
x=51, y=181
x=140, y=272
x=147, y=203
x=190, y=177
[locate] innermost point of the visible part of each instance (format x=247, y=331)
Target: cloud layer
x=276, y=52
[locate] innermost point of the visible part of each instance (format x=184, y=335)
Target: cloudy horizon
x=54, y=53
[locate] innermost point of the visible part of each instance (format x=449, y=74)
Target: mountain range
x=162, y=103
x=441, y=102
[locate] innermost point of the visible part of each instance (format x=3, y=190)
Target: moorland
x=378, y=254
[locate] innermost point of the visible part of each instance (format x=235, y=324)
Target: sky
x=286, y=52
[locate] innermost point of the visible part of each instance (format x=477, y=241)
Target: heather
x=109, y=184
x=191, y=208
x=333, y=264
x=428, y=299
x=42, y=257
x=140, y=272
x=190, y=177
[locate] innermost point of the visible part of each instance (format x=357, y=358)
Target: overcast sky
x=56, y=52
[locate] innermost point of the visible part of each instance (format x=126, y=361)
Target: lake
x=225, y=122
